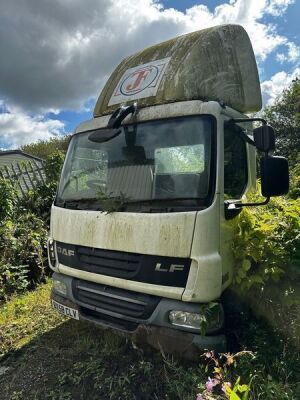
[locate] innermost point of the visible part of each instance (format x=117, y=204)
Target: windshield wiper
x=79, y=204
x=113, y=204
x=159, y=205
x=108, y=205
x=142, y=201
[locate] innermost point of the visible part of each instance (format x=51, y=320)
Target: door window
x=235, y=163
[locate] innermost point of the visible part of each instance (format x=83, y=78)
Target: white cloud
x=292, y=55
x=272, y=88
x=281, y=58
x=293, y=52
x=278, y=7
x=249, y=14
x=58, y=54
x=17, y=128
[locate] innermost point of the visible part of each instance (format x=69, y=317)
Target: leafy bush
x=23, y=231
x=267, y=242
x=53, y=166
x=294, y=192
x=267, y=239
x=22, y=252
x=13, y=279
x=8, y=199
x=39, y=200
x=267, y=268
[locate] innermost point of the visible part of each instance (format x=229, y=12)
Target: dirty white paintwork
x=157, y=234
x=157, y=290
x=204, y=282
x=205, y=279
x=181, y=108
x=205, y=236
x=165, y=234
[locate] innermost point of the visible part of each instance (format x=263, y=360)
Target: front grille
x=109, y=262
x=114, y=301
x=157, y=270
x=116, y=323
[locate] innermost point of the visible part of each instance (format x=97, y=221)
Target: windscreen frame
x=180, y=204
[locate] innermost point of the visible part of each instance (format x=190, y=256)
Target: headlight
x=51, y=253
x=60, y=287
x=195, y=320
x=186, y=319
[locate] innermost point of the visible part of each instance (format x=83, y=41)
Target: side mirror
x=274, y=176
x=264, y=138
x=103, y=135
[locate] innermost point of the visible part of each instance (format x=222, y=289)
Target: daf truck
x=142, y=225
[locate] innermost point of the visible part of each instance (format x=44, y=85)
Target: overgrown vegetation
x=267, y=256
x=23, y=231
x=59, y=360
x=39, y=200
x=267, y=243
x=24, y=317
x=46, y=356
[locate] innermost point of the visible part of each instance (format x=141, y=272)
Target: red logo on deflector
x=139, y=80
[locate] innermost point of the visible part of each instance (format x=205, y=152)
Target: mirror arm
x=246, y=138
x=233, y=209
x=262, y=203
x=242, y=134
x=263, y=121
x=120, y=114
x=230, y=205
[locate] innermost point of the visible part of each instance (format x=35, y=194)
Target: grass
x=25, y=317
x=50, y=357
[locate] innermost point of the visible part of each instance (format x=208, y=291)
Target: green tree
x=284, y=116
x=44, y=148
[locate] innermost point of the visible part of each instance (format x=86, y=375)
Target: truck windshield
x=157, y=160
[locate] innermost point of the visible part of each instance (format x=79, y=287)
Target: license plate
x=68, y=311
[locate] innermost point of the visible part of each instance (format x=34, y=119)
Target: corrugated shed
x=24, y=170
x=13, y=156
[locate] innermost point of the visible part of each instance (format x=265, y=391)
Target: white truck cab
x=140, y=238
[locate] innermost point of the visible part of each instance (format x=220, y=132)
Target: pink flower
x=199, y=397
x=211, y=383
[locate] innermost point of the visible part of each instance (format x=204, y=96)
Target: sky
x=56, y=55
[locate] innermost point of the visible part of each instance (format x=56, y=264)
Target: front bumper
x=152, y=326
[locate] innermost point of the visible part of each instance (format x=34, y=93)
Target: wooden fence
x=25, y=175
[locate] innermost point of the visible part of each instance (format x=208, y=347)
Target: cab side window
x=235, y=163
